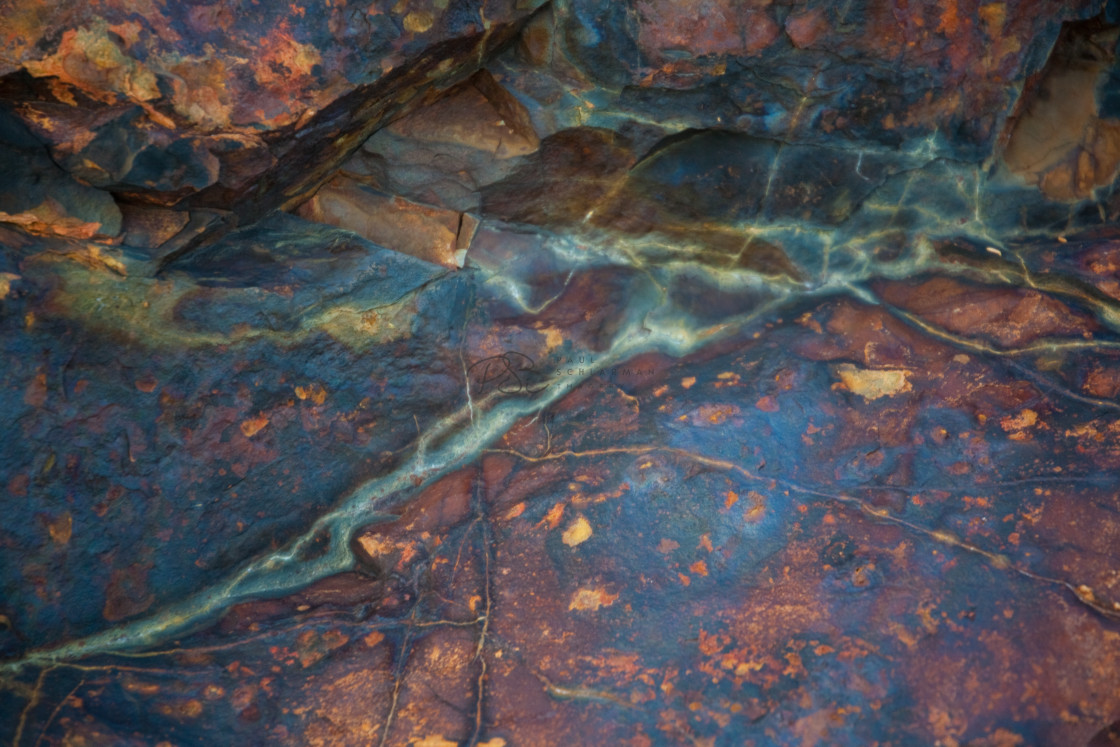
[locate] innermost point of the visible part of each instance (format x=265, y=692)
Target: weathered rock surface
x=40, y=197
x=583, y=373
x=234, y=106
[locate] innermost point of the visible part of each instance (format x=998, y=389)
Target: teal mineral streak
x=654, y=321
x=448, y=445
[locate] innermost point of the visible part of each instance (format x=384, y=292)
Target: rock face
x=500, y=373
x=232, y=106
x=41, y=197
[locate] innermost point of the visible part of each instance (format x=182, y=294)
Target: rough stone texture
x=40, y=197
x=231, y=105
x=642, y=373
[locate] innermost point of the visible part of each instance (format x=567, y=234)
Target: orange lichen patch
x=314, y=392
x=580, y=500
x=50, y=218
x=96, y=259
x=707, y=415
x=743, y=668
x=61, y=529
x=807, y=320
x=552, y=518
x=417, y=22
x=6, y=279
x=384, y=551
x=871, y=384
x=553, y=338
x=373, y=639
x=795, y=667
x=667, y=546
x=578, y=531
x=433, y=741
x=144, y=688
x=252, y=426
x=688, y=381
x=311, y=647
x=767, y=404
x=91, y=60
x=189, y=708
x=754, y=513
x=280, y=58
x=727, y=378
x=376, y=545
x=516, y=510
x=200, y=92
x=711, y=644
x=992, y=18
x=950, y=21
x=731, y=499
x=1024, y=419
x=147, y=383
x=591, y=599
x=977, y=501
x=700, y=568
